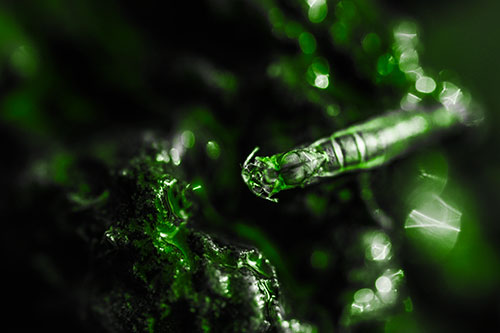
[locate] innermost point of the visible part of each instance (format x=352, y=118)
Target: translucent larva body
x=362, y=146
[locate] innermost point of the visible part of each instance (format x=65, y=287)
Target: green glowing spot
x=434, y=225
x=213, y=149
x=345, y=195
x=290, y=76
x=175, y=156
x=197, y=187
x=24, y=61
x=187, y=139
x=293, y=29
x=225, y=81
x=294, y=326
x=59, y=167
x=405, y=35
x=319, y=66
x=445, y=117
x=425, y=85
x=307, y=43
x=414, y=74
x=364, y=295
x=408, y=60
x=276, y=17
x=410, y=102
x=205, y=325
x=274, y=70
x=451, y=96
x=387, y=286
x=340, y=33
x=371, y=43
x=432, y=178
x=321, y=81
x=317, y=10
x=166, y=309
x=151, y=324
x=346, y=10
x=385, y=64
x=163, y=156
x=313, y=96
x=317, y=204
x=408, y=304
x=21, y=109
x=378, y=246
x=413, y=98
x=332, y=110
x=383, y=284
x=319, y=259
x=318, y=73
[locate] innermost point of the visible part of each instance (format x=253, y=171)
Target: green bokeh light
x=322, y=81
x=410, y=102
x=213, y=149
x=318, y=10
x=425, y=85
x=307, y=43
x=188, y=139
x=371, y=43
x=378, y=246
x=340, y=33
x=434, y=225
x=406, y=35
x=408, y=60
x=293, y=29
x=332, y=110
x=276, y=17
x=346, y=10
x=319, y=259
x=383, y=284
x=386, y=64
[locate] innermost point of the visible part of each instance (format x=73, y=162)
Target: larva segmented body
x=362, y=146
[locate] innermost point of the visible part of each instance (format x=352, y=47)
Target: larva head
x=261, y=175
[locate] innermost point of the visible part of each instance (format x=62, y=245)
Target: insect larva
x=362, y=146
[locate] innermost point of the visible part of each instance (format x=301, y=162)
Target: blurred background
x=222, y=77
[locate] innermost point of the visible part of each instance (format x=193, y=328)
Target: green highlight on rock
x=169, y=276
